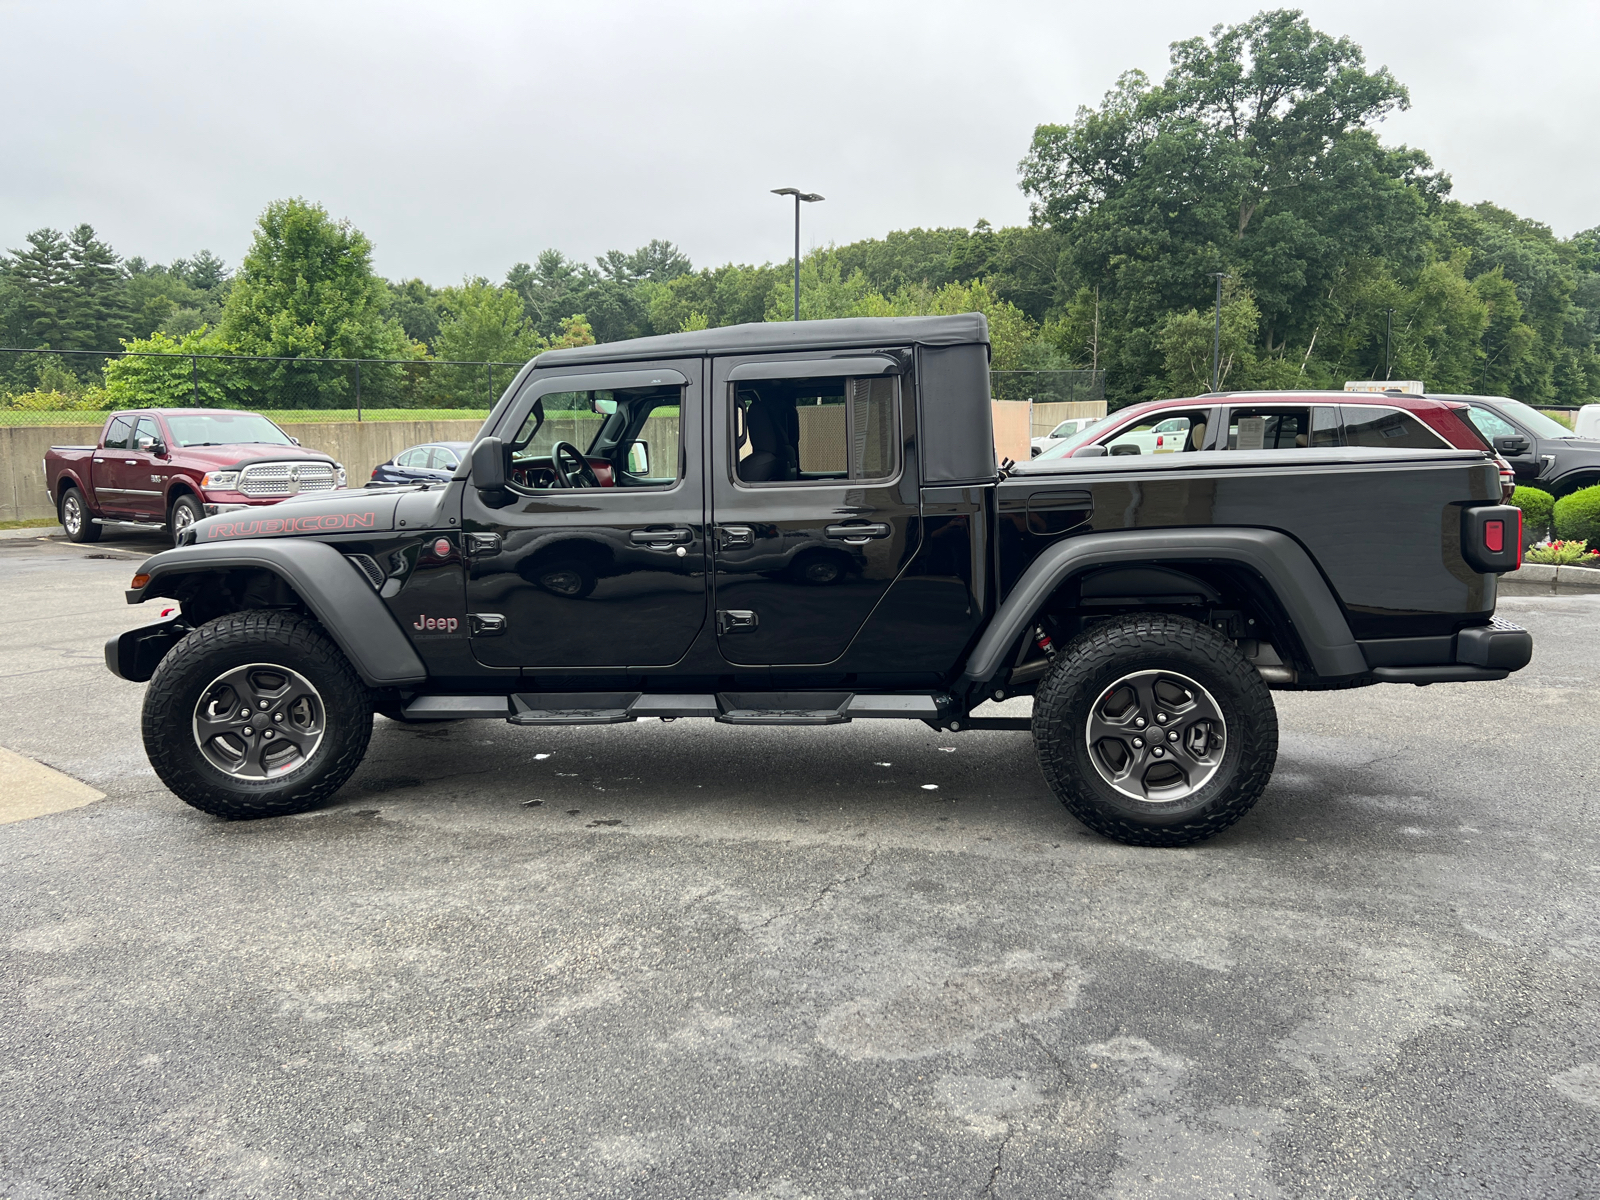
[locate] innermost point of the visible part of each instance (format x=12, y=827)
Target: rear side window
x=828, y=429
x=412, y=458
x=1283, y=427
x=117, y=435
x=1387, y=428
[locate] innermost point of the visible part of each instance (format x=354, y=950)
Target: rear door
x=812, y=519
x=109, y=470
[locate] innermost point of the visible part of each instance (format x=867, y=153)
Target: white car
x=1164, y=437
x=1061, y=432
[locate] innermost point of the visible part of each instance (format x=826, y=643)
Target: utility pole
x=1216, y=337
x=809, y=198
x=1388, y=347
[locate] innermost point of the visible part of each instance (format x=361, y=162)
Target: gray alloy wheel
x=185, y=512
x=259, y=721
x=75, y=518
x=1156, y=736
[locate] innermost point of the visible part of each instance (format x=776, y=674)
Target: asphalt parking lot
x=693, y=960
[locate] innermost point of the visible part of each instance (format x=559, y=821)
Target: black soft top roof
x=962, y=329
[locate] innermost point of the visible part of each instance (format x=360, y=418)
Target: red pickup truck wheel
x=256, y=714
x=75, y=517
x=1155, y=730
x=185, y=512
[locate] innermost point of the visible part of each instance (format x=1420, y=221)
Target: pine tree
x=41, y=274
x=96, y=311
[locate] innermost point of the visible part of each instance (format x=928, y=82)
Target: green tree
x=1254, y=156
x=306, y=290
x=161, y=372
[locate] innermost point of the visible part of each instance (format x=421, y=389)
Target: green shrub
x=1536, y=509
x=1561, y=554
x=1578, y=516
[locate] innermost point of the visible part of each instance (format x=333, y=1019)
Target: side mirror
x=1511, y=445
x=153, y=445
x=294, y=439
x=489, y=465
x=639, y=458
x=1089, y=452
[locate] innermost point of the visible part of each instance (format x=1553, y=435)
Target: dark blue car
x=422, y=464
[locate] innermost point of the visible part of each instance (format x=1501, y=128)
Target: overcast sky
x=464, y=137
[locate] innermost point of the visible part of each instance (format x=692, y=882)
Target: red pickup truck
x=171, y=466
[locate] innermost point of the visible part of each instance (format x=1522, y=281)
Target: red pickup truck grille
x=286, y=479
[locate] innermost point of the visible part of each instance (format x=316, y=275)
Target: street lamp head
x=785, y=191
x=808, y=197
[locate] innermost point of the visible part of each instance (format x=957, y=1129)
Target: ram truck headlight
x=339, y=472
x=220, y=480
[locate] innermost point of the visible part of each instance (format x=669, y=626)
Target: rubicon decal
x=328, y=523
x=436, y=624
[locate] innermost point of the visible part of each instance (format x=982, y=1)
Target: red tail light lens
x=1494, y=536
x=1520, y=539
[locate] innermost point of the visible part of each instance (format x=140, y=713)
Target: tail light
x=1508, y=478
x=1159, y=440
x=1491, y=538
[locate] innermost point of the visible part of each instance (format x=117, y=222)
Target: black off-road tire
x=285, y=640
x=185, y=511
x=74, y=515
x=1091, y=664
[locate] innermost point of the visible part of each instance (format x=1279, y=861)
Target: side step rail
x=730, y=708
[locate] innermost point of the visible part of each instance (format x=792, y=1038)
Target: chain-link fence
x=75, y=387
x=1050, y=387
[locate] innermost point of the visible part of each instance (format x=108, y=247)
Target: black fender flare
x=335, y=591
x=1280, y=560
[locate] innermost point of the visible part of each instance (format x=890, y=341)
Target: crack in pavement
x=827, y=890
x=999, y=1155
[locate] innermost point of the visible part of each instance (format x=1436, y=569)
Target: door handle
x=736, y=537
x=660, y=537
x=857, y=535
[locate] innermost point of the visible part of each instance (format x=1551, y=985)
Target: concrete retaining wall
x=360, y=446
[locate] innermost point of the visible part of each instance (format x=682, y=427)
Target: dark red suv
x=1282, y=421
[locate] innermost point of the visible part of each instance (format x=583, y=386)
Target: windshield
x=225, y=429
x=1534, y=420
x=1064, y=449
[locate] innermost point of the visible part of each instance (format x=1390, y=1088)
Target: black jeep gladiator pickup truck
x=805, y=524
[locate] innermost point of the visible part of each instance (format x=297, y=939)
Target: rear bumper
x=1489, y=651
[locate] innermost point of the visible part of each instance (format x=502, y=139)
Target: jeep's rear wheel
x=75, y=518
x=256, y=714
x=1155, y=731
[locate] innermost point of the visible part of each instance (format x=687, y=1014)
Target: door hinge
x=481, y=544
x=736, y=620
x=736, y=537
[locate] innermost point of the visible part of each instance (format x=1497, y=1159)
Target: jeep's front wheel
x=256, y=714
x=1155, y=731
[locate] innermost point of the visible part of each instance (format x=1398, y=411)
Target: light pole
x=809, y=198
x=1216, y=337
x=1388, y=347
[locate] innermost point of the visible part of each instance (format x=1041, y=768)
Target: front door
x=812, y=518
x=598, y=558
